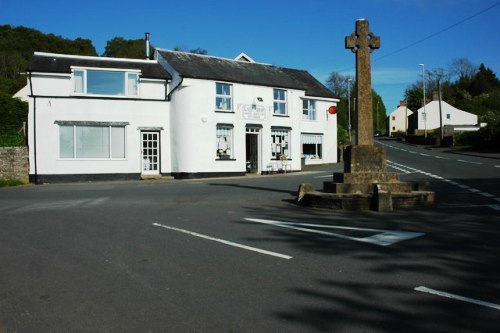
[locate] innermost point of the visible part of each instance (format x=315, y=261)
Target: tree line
x=468, y=87
x=17, y=45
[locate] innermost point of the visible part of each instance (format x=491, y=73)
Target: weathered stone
x=365, y=159
x=14, y=163
x=362, y=42
x=382, y=198
x=303, y=189
x=365, y=183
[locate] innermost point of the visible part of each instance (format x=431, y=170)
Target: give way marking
x=381, y=238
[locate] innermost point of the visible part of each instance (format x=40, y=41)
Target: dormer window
x=106, y=82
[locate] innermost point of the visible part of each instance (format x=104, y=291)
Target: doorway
x=252, y=150
x=150, y=153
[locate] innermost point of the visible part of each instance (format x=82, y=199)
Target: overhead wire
x=430, y=36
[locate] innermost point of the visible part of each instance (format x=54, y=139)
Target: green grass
x=13, y=182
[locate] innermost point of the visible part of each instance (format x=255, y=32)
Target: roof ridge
x=97, y=58
x=215, y=57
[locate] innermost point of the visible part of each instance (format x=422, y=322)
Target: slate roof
x=60, y=63
x=196, y=66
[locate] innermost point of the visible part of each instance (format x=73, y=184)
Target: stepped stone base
x=366, y=185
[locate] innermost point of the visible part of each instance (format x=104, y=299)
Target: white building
x=182, y=114
x=428, y=117
x=398, y=119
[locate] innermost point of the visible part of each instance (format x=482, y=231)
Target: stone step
x=365, y=177
x=366, y=188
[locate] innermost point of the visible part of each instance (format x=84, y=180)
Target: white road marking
x=495, y=207
x=382, y=238
x=470, y=162
x=497, y=166
x=424, y=154
x=329, y=176
x=457, y=297
x=274, y=254
x=465, y=187
x=442, y=158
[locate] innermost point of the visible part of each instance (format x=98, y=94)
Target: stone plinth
x=365, y=185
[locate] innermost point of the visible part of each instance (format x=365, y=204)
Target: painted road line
x=424, y=154
x=463, y=161
x=495, y=207
x=465, y=187
x=381, y=238
x=329, y=176
x=457, y=297
x=497, y=166
x=442, y=158
x=254, y=249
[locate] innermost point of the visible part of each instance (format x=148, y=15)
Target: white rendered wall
x=194, y=121
x=138, y=113
x=400, y=122
x=457, y=117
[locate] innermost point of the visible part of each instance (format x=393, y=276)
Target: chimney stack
x=147, y=45
x=435, y=96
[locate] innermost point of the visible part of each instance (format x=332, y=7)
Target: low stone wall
x=14, y=164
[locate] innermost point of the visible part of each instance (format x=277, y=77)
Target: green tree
x=17, y=45
x=119, y=47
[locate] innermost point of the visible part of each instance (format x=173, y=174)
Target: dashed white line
x=424, y=154
x=405, y=169
x=442, y=158
x=470, y=162
x=457, y=297
x=274, y=254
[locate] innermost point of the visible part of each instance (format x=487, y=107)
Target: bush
x=13, y=114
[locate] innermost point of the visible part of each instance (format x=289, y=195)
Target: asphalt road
x=209, y=255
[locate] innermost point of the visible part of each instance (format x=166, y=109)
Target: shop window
x=312, y=146
x=280, y=143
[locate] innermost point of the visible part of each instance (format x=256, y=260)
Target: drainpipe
x=34, y=126
x=177, y=86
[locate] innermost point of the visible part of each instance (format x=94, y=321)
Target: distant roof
x=197, y=66
x=61, y=63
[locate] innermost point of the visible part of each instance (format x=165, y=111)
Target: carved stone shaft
x=362, y=42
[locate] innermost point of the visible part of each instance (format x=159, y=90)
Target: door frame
x=144, y=171
x=255, y=131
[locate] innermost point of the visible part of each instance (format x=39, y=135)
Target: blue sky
x=305, y=35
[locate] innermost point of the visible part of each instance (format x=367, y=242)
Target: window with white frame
x=223, y=97
x=89, y=141
x=448, y=116
x=309, y=109
x=280, y=143
x=224, y=140
x=280, y=102
x=312, y=146
x=105, y=82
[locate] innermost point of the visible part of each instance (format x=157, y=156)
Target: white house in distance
x=183, y=115
x=451, y=116
x=398, y=119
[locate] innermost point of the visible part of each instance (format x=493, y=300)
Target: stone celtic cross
x=362, y=42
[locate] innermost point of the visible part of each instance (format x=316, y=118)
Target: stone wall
x=14, y=163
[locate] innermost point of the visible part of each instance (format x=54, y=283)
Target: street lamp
x=349, y=107
x=425, y=114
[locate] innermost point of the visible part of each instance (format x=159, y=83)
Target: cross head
x=362, y=39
